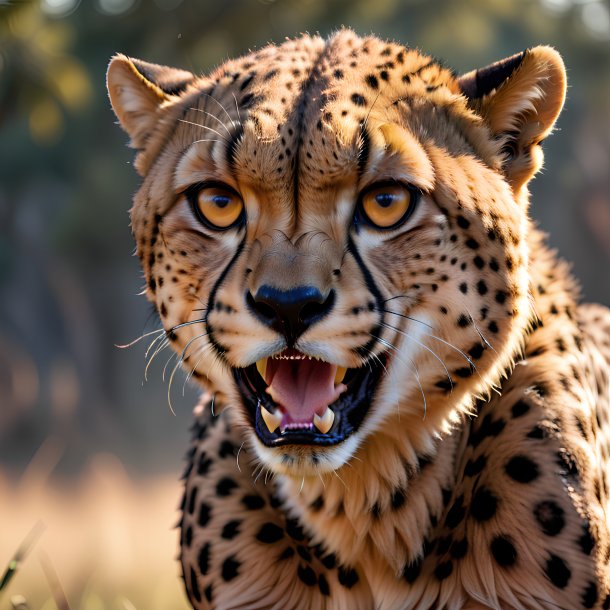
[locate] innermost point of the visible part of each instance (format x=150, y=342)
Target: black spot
x=304, y=552
x=225, y=486
x=329, y=561
x=481, y=287
x=456, y=513
x=376, y=510
x=476, y=351
x=371, y=81
x=463, y=287
x=270, y=533
x=503, y=551
x=203, y=559
x=537, y=432
x=589, y=597
x=520, y=408
x=463, y=321
x=446, y=496
x=253, y=502
x=247, y=81
x=550, y=516
x=459, y=548
x=152, y=284
x=323, y=585
x=464, y=372
x=230, y=568
x=521, y=469
x=411, y=570
x=338, y=74
x=493, y=327
x=193, y=500
x=204, y=464
x=445, y=385
x=287, y=553
x=226, y=449
x=358, y=99
x=317, y=505
x=231, y=529
x=208, y=592
x=501, y=297
x=487, y=429
x=443, y=545
x=294, y=530
x=195, y=586
x=484, y=504
x=187, y=537
x=383, y=75
x=246, y=100
x=473, y=468
x=204, y=514
x=462, y=222
x=348, y=577
x=398, y=498
x=586, y=541
x=479, y=263
x=443, y=570
x=472, y=243
x=557, y=571
x=307, y=575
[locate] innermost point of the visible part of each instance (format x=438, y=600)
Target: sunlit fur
x=299, y=130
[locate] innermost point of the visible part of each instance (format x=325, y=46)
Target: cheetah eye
x=385, y=206
x=217, y=206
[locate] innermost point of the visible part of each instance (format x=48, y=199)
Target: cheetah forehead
x=310, y=103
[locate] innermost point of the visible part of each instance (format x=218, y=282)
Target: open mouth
x=293, y=398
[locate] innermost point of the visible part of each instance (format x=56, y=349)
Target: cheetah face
x=333, y=233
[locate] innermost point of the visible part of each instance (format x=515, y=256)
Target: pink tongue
x=302, y=387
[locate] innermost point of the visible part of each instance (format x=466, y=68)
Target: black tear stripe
x=223, y=275
x=234, y=142
x=363, y=150
x=366, y=350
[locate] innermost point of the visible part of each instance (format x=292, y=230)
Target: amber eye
x=387, y=205
x=219, y=207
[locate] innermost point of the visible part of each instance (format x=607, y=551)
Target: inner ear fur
x=138, y=91
x=520, y=99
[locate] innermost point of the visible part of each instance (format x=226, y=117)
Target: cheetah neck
x=381, y=506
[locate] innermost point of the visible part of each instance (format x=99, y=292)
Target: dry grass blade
x=22, y=552
x=59, y=595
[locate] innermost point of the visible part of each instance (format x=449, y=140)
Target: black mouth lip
x=350, y=408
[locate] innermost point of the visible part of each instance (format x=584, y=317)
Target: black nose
x=290, y=312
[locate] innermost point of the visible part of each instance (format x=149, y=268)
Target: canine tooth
x=324, y=423
x=272, y=420
x=340, y=374
x=261, y=366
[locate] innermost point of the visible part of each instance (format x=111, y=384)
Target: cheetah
x=403, y=404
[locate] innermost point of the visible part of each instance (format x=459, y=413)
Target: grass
x=100, y=542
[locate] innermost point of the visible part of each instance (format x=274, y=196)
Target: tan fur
x=478, y=476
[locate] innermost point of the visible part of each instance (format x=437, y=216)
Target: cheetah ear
x=138, y=90
x=520, y=99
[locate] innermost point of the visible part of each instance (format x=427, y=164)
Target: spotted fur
x=479, y=477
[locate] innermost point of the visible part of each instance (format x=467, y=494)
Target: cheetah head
x=334, y=233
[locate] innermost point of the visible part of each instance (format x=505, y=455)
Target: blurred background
x=90, y=452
